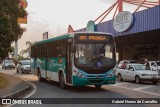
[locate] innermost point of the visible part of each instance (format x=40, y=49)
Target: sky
x=54, y=16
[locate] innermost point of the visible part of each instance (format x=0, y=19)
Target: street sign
x=22, y=20
x=123, y=21
x=24, y=3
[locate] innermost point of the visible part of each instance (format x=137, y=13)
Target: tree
x=22, y=52
x=28, y=49
x=10, y=30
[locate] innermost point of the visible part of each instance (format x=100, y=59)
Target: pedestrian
x=123, y=66
x=146, y=63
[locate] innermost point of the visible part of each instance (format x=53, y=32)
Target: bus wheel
x=97, y=86
x=61, y=81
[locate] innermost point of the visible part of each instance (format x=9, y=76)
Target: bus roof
x=53, y=39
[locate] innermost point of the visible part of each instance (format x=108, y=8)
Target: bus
x=76, y=59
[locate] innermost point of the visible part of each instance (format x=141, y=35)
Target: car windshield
x=139, y=67
x=158, y=63
x=94, y=55
x=8, y=61
x=26, y=63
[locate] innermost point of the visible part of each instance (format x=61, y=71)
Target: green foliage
x=10, y=30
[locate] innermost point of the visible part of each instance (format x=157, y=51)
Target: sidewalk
x=14, y=88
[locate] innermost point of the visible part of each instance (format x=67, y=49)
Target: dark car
x=8, y=64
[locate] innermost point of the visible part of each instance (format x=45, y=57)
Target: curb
x=18, y=93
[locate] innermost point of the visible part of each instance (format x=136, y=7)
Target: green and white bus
x=76, y=59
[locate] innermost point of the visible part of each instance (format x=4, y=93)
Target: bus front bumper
x=76, y=81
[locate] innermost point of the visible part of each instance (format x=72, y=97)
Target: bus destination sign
x=92, y=38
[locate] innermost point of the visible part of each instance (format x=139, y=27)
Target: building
x=141, y=40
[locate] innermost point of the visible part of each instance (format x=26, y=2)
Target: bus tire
x=62, y=81
x=97, y=86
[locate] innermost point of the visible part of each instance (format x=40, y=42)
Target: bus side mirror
x=73, y=49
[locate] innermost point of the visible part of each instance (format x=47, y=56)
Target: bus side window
x=55, y=49
x=61, y=48
x=38, y=50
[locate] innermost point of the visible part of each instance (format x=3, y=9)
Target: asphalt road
x=119, y=90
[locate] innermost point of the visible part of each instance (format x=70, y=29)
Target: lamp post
x=16, y=50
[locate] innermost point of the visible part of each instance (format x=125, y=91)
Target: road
x=119, y=90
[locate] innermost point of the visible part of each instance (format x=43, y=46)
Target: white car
x=138, y=73
x=23, y=66
x=154, y=65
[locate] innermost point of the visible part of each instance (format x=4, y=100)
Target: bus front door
x=68, y=64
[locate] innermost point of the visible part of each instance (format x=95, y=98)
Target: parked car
x=123, y=63
x=137, y=73
x=8, y=64
x=154, y=65
x=23, y=66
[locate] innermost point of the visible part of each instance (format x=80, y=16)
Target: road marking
x=29, y=95
x=34, y=90
x=142, y=88
x=137, y=90
x=117, y=84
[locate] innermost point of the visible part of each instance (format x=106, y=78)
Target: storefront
x=140, y=39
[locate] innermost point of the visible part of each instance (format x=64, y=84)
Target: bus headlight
x=110, y=74
x=80, y=75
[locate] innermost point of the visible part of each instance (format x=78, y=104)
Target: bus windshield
x=94, y=55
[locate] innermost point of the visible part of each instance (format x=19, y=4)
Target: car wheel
x=154, y=82
x=97, y=86
x=137, y=80
x=120, y=77
x=22, y=71
x=61, y=81
x=17, y=70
